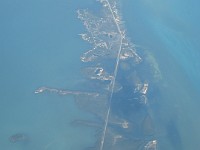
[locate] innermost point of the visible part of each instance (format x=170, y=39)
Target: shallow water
x=169, y=30
x=41, y=47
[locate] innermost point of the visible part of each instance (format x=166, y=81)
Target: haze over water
x=40, y=46
x=169, y=30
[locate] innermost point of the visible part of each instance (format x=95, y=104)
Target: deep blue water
x=40, y=46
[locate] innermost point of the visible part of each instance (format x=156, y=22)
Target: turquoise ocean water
x=40, y=46
x=170, y=31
